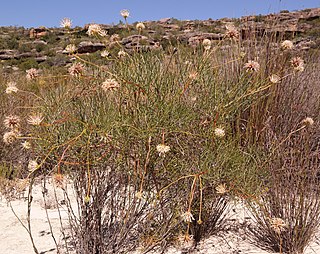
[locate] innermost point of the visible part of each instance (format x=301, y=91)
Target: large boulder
x=90, y=47
x=36, y=33
x=194, y=38
x=7, y=54
x=139, y=43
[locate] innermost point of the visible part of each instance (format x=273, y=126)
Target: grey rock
x=90, y=47
x=6, y=57
x=195, y=38
x=139, y=43
x=36, y=42
x=41, y=59
x=8, y=52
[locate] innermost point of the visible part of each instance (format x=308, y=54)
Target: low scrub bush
x=157, y=143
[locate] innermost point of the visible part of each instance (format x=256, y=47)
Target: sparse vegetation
x=158, y=142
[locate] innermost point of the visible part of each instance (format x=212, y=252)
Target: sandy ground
x=15, y=239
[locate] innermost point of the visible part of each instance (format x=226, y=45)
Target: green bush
x=158, y=143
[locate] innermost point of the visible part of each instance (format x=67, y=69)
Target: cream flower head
x=96, y=30
x=10, y=137
x=12, y=87
x=33, y=165
x=105, y=53
x=221, y=189
x=12, y=122
x=124, y=13
x=206, y=43
x=26, y=145
x=71, y=48
x=287, y=44
x=278, y=225
x=163, y=149
x=77, y=69
x=115, y=38
x=122, y=54
x=252, y=66
x=187, y=216
x=232, y=32
x=193, y=75
x=32, y=73
x=219, y=132
x=297, y=63
x=35, y=119
x=66, y=23
x=140, y=26
x=274, y=79
x=308, y=121
x=110, y=84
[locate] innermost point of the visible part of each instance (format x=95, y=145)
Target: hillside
x=22, y=48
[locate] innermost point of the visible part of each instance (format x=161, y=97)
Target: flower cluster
x=221, y=189
x=193, y=75
x=12, y=87
x=252, y=66
x=308, y=121
x=187, y=216
x=66, y=23
x=124, y=13
x=287, y=44
x=77, y=69
x=35, y=119
x=12, y=122
x=274, y=79
x=71, y=48
x=232, y=32
x=96, y=30
x=163, y=149
x=122, y=54
x=33, y=165
x=26, y=145
x=115, y=38
x=297, y=63
x=32, y=73
x=10, y=136
x=219, y=132
x=206, y=43
x=140, y=26
x=110, y=84
x=278, y=225
x=105, y=53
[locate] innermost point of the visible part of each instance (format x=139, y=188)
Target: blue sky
x=33, y=13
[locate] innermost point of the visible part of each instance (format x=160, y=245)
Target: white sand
x=15, y=239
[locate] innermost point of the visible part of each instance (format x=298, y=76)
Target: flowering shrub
x=157, y=143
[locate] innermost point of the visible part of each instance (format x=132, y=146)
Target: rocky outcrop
x=8, y=54
x=41, y=59
x=139, y=43
x=305, y=44
x=36, y=33
x=194, y=38
x=35, y=42
x=283, y=22
x=89, y=47
x=48, y=45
